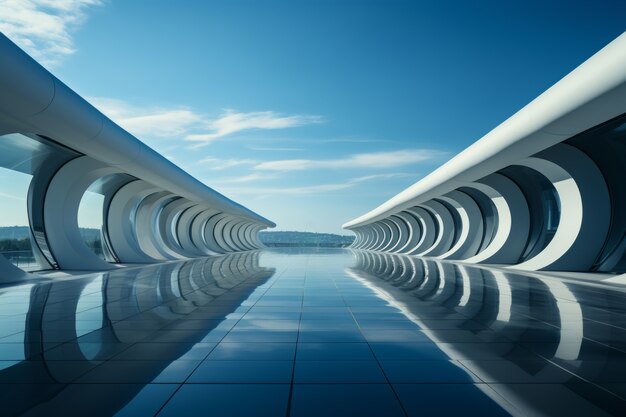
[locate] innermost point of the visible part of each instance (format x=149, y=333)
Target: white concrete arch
x=121, y=221
x=255, y=236
x=211, y=232
x=392, y=235
x=405, y=222
x=445, y=229
x=370, y=237
x=358, y=238
x=221, y=236
x=365, y=237
x=471, y=227
x=429, y=231
x=238, y=233
x=146, y=221
x=61, y=204
x=412, y=234
x=197, y=232
x=382, y=235
x=404, y=232
x=248, y=233
x=513, y=222
x=185, y=226
x=168, y=224
x=231, y=238
x=585, y=210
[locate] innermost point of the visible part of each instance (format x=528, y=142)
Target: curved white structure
x=153, y=210
x=544, y=190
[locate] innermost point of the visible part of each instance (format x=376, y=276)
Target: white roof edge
x=591, y=94
x=33, y=98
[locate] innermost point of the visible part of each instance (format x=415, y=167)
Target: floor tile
x=338, y=372
x=330, y=400
x=243, y=372
x=228, y=400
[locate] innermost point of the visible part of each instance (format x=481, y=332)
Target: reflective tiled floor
x=312, y=333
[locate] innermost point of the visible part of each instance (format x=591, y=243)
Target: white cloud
x=363, y=160
x=43, y=27
x=182, y=122
x=11, y=196
x=309, y=189
x=149, y=121
x=217, y=164
x=231, y=122
x=270, y=149
x=255, y=176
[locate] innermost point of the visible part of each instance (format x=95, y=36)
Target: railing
x=21, y=258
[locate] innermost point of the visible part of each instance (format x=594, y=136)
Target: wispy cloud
x=182, y=122
x=362, y=160
x=270, y=149
x=43, y=28
x=310, y=189
x=255, y=176
x=11, y=196
x=231, y=122
x=150, y=121
x=353, y=139
x=217, y=164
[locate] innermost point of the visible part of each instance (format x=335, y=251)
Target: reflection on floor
x=312, y=333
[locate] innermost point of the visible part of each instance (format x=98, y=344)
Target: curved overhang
x=592, y=94
x=35, y=101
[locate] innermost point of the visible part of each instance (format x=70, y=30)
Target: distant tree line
x=12, y=245
x=304, y=239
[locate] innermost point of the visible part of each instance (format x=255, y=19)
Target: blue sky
x=310, y=112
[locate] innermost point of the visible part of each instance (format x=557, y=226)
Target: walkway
x=312, y=332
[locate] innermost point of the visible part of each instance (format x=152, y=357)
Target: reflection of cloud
x=362, y=160
x=310, y=189
x=11, y=197
x=232, y=122
x=43, y=27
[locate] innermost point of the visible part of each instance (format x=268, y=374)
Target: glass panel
x=606, y=146
x=543, y=204
x=90, y=221
x=22, y=158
